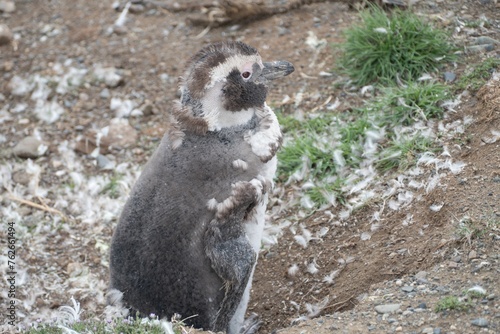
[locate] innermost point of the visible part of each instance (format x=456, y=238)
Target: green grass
x=451, y=303
x=478, y=76
x=385, y=47
x=402, y=154
x=352, y=135
x=112, y=188
x=328, y=192
x=117, y=326
x=305, y=151
x=290, y=124
x=475, y=294
x=406, y=105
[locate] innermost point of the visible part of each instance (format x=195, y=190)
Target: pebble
x=480, y=322
x=7, y=66
x=85, y=145
x=7, y=6
x=29, y=147
x=428, y=330
x=407, y=288
x=422, y=305
x=104, y=163
x=136, y=8
x=387, y=308
x=437, y=330
x=105, y=93
x=5, y=35
x=147, y=109
x=21, y=177
x=120, y=134
x=449, y=76
x=421, y=275
x=480, y=48
x=472, y=255
x=74, y=269
x=486, y=40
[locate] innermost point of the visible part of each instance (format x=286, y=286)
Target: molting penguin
x=189, y=235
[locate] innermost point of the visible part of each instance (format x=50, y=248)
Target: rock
x=147, y=109
x=407, y=288
x=85, y=145
x=136, y=8
x=437, y=330
x=421, y=275
x=7, y=66
x=472, y=255
x=104, y=94
x=120, y=134
x=480, y=322
x=119, y=29
x=21, y=177
x=479, y=48
x=109, y=75
x=29, y=147
x=428, y=330
x=74, y=269
x=104, y=163
x=422, y=305
x=449, y=76
x=452, y=265
x=485, y=40
x=5, y=35
x=7, y=6
x=387, y=308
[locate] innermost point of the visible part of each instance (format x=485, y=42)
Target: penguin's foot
x=251, y=324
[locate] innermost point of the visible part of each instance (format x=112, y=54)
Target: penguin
x=188, y=237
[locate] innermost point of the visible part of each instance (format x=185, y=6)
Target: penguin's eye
x=246, y=75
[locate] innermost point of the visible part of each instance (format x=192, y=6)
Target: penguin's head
x=225, y=82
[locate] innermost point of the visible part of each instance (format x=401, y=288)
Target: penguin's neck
x=217, y=117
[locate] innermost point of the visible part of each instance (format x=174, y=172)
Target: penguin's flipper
x=226, y=245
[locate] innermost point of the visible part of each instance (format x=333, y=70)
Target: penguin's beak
x=276, y=69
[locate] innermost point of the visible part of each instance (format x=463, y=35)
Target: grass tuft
x=451, y=303
x=481, y=73
x=406, y=105
x=403, y=153
x=112, y=188
x=386, y=47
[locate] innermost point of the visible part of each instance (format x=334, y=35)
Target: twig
x=43, y=207
x=339, y=304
